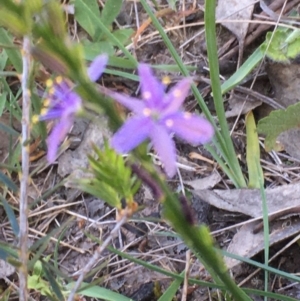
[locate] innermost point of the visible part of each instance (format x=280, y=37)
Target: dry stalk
x=23, y=236
x=96, y=256
x=186, y=276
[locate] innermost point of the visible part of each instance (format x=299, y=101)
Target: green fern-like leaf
x=111, y=179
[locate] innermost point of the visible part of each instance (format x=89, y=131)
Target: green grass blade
x=170, y=292
x=210, y=32
x=243, y=71
x=42, y=243
x=213, y=285
x=122, y=74
x=99, y=292
x=255, y=171
x=272, y=296
x=8, y=182
x=11, y=216
x=121, y=62
x=14, y=55
x=9, y=130
x=7, y=251
x=262, y=266
x=54, y=285
x=155, y=268
x=3, y=98
x=265, y=223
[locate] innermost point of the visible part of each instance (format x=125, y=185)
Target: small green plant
x=111, y=179
x=278, y=122
x=86, y=12
x=282, y=45
x=36, y=281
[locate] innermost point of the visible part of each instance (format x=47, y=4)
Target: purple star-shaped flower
x=157, y=117
x=63, y=103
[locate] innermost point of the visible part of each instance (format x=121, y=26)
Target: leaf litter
x=161, y=247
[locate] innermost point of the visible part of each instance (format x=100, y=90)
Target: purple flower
x=157, y=117
x=63, y=103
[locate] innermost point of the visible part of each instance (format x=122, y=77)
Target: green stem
x=210, y=32
x=200, y=241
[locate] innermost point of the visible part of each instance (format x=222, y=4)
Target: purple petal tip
x=97, y=67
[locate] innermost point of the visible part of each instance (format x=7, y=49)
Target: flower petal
x=60, y=89
x=97, y=67
x=62, y=108
x=51, y=114
x=176, y=96
x=190, y=127
x=72, y=103
x=134, y=131
x=133, y=104
x=165, y=148
x=152, y=89
x=62, y=97
x=57, y=135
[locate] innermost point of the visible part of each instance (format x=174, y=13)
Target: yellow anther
x=46, y=102
x=35, y=119
x=169, y=123
x=147, y=112
x=49, y=83
x=146, y=95
x=51, y=91
x=177, y=93
x=58, y=79
x=44, y=111
x=166, y=80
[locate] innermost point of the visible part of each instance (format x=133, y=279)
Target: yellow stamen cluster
x=44, y=111
x=166, y=80
x=58, y=79
x=51, y=91
x=35, y=119
x=49, y=83
x=46, y=102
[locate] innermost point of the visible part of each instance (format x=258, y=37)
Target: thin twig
x=23, y=236
x=96, y=256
